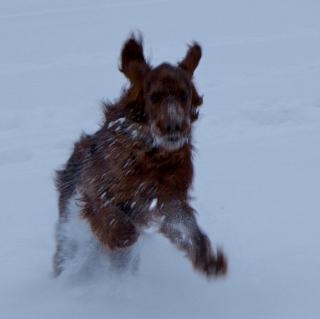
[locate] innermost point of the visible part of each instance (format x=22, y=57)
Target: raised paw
x=217, y=265
x=206, y=261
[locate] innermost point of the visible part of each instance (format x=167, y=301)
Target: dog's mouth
x=173, y=138
x=170, y=142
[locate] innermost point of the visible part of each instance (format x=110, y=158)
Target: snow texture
x=257, y=172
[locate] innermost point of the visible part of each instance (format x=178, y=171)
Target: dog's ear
x=196, y=102
x=192, y=58
x=133, y=64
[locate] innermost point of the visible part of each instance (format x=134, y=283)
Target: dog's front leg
x=180, y=226
x=111, y=226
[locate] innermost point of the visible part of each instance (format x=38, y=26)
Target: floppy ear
x=192, y=58
x=133, y=64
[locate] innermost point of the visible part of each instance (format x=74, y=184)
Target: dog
x=136, y=170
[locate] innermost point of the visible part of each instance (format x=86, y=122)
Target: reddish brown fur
x=119, y=171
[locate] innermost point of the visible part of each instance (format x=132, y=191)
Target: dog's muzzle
x=170, y=142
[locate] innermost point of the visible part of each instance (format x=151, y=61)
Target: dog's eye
x=155, y=97
x=183, y=96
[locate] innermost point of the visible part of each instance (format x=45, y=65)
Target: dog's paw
x=212, y=265
x=216, y=265
x=122, y=234
x=206, y=261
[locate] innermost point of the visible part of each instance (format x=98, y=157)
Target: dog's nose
x=173, y=128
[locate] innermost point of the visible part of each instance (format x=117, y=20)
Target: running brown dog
x=136, y=170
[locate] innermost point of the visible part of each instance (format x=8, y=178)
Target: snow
x=117, y=122
x=84, y=255
x=183, y=233
x=257, y=175
x=153, y=203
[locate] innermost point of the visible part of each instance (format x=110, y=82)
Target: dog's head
x=166, y=92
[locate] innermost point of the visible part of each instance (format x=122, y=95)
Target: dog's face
x=169, y=96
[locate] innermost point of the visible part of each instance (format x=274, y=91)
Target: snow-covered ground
x=257, y=165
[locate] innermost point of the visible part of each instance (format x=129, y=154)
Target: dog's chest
x=149, y=177
x=127, y=174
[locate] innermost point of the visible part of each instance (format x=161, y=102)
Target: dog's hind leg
x=65, y=250
x=74, y=238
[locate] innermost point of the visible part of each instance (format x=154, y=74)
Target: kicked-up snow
x=257, y=173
